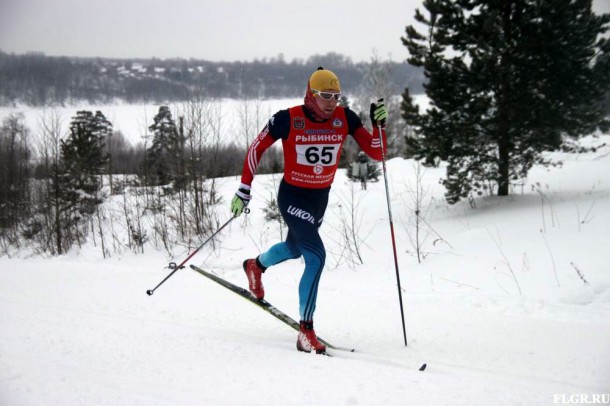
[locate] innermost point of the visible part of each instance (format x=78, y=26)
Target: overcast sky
x=217, y=30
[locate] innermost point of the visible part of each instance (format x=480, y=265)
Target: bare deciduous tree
x=378, y=83
x=15, y=168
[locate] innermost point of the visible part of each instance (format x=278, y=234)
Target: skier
x=312, y=137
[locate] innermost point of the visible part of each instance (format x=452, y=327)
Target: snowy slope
x=496, y=309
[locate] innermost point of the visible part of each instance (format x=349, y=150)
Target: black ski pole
x=175, y=268
x=387, y=194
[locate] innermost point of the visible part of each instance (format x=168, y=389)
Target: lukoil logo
x=295, y=211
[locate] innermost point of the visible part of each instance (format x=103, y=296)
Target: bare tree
x=46, y=225
x=378, y=83
x=15, y=158
x=250, y=119
x=351, y=238
x=418, y=227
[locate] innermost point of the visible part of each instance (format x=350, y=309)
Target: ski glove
x=378, y=113
x=240, y=200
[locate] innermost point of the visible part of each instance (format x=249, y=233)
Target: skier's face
x=327, y=106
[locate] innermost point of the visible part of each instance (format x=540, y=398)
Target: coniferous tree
x=166, y=147
x=507, y=80
x=83, y=161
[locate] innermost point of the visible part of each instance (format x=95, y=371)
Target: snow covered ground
x=498, y=309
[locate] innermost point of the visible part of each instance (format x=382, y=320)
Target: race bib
x=312, y=155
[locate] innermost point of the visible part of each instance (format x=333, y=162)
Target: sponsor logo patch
x=302, y=214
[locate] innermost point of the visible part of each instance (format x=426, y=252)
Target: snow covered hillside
x=510, y=305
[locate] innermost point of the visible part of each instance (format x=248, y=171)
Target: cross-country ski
x=263, y=304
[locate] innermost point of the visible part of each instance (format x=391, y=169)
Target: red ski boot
x=254, y=273
x=307, y=340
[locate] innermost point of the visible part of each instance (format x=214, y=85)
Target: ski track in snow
x=75, y=338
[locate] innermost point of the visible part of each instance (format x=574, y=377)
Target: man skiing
x=312, y=137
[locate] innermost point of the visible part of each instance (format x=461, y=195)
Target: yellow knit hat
x=323, y=79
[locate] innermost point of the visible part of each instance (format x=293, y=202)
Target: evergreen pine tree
x=165, y=148
x=83, y=161
x=507, y=80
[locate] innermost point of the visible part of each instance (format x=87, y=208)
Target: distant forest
x=36, y=79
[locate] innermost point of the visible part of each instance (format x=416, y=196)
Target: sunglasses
x=326, y=95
